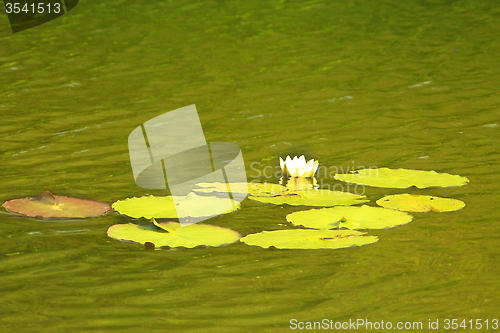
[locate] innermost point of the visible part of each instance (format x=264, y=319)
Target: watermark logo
x=28, y=14
x=312, y=184
x=170, y=152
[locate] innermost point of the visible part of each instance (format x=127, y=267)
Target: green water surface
x=398, y=84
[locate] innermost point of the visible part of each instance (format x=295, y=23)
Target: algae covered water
x=349, y=83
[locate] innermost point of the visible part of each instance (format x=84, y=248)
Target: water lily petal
x=298, y=167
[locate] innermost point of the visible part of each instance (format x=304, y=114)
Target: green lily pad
x=265, y=189
x=308, y=239
x=364, y=217
x=402, y=178
x=314, y=197
x=171, y=234
x=420, y=203
x=49, y=206
x=164, y=207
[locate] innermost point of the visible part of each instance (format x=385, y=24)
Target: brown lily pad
x=49, y=206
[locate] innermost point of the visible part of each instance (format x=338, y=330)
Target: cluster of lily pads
x=335, y=223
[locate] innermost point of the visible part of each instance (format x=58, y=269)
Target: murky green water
x=364, y=83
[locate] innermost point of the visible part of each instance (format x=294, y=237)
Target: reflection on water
x=299, y=183
x=382, y=84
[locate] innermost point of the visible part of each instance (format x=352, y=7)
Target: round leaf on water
x=164, y=207
x=49, y=206
x=171, y=234
x=364, y=217
x=308, y=239
x=265, y=189
x=314, y=197
x=420, y=203
x=402, y=178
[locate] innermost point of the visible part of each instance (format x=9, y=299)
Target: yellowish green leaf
x=164, y=207
x=314, y=197
x=364, y=217
x=259, y=189
x=171, y=234
x=308, y=239
x=420, y=203
x=402, y=178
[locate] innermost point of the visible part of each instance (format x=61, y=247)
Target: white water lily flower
x=297, y=167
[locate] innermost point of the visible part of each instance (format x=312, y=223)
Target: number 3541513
x=38, y=8
x=472, y=324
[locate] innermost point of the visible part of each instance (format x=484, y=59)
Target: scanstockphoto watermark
x=323, y=173
x=336, y=189
x=327, y=324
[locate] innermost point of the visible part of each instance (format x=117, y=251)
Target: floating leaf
x=402, y=178
x=164, y=207
x=420, y=203
x=266, y=189
x=171, y=234
x=49, y=206
x=308, y=239
x=364, y=217
x=315, y=197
